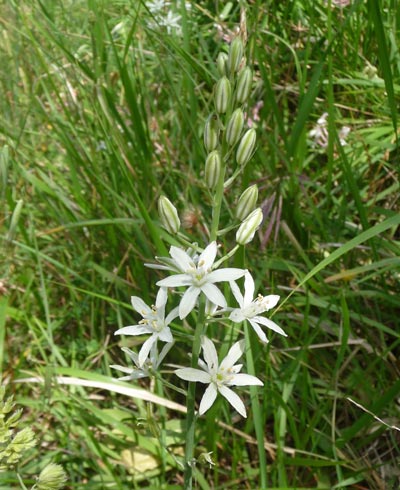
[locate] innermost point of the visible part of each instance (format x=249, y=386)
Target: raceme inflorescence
x=198, y=287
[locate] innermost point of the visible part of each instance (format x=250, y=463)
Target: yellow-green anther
x=246, y=147
x=250, y=225
x=244, y=83
x=247, y=202
x=168, y=215
x=222, y=95
x=213, y=169
x=235, y=55
x=222, y=64
x=234, y=127
x=211, y=133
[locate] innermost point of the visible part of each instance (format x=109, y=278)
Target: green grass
x=97, y=121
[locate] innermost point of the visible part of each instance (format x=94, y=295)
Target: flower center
x=199, y=273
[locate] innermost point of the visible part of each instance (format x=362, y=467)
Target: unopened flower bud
x=246, y=147
x=222, y=64
x=222, y=95
x=235, y=55
x=168, y=215
x=211, y=133
x=247, y=202
x=243, y=87
x=213, y=169
x=235, y=127
x=250, y=225
x=52, y=477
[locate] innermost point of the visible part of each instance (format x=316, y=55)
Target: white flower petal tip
x=219, y=377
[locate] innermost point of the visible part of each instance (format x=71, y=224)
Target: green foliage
x=102, y=112
x=13, y=444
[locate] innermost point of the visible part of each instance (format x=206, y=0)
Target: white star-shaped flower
x=219, y=376
x=250, y=308
x=154, y=323
x=149, y=366
x=197, y=275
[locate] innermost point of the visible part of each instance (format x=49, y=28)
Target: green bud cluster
x=225, y=136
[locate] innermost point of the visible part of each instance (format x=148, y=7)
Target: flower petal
x=233, y=399
x=208, y=398
x=270, y=301
x=248, y=289
x=161, y=300
x=210, y=354
x=175, y=281
x=235, y=352
x=140, y=306
x=227, y=274
x=181, y=258
x=214, y=294
x=245, y=380
x=237, y=315
x=134, y=330
x=164, y=351
x=144, y=351
x=259, y=331
x=207, y=257
x=236, y=292
x=269, y=324
x=188, y=301
x=172, y=315
x=191, y=374
x=165, y=335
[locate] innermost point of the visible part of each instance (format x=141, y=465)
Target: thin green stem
x=255, y=407
x=191, y=399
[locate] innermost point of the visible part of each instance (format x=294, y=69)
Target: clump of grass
x=96, y=125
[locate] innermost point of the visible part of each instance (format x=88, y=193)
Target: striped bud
x=221, y=64
x=52, y=477
x=247, y=202
x=235, y=55
x=211, y=133
x=243, y=87
x=250, y=225
x=246, y=147
x=222, y=95
x=213, y=169
x=168, y=215
x=235, y=127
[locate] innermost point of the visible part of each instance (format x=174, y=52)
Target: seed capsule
x=211, y=133
x=250, y=225
x=222, y=95
x=235, y=55
x=213, y=169
x=243, y=88
x=235, y=127
x=222, y=64
x=246, y=147
x=168, y=215
x=247, y=202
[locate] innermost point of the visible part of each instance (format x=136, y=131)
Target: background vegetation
x=102, y=110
